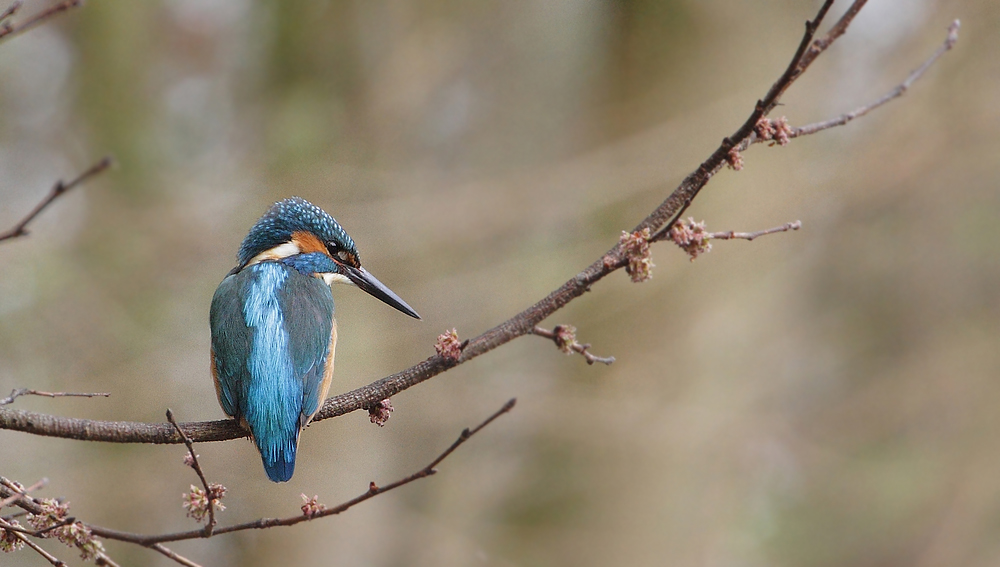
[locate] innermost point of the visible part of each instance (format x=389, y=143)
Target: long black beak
x=361, y=278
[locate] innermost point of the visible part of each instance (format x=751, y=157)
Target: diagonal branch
x=674, y=206
x=895, y=93
x=58, y=190
x=661, y=219
x=18, y=494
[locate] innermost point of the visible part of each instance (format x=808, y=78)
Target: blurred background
x=820, y=398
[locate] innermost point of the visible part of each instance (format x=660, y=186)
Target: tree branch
x=521, y=324
x=674, y=206
x=19, y=534
x=732, y=235
x=18, y=392
x=209, y=493
x=173, y=555
x=58, y=190
x=307, y=515
x=14, y=494
x=896, y=92
x=564, y=336
x=17, y=493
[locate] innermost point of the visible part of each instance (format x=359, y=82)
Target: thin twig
x=173, y=555
x=263, y=523
x=8, y=30
x=209, y=493
x=567, y=343
x=18, y=392
x=59, y=189
x=896, y=92
x=731, y=235
x=27, y=541
x=19, y=493
x=64, y=522
x=41, y=533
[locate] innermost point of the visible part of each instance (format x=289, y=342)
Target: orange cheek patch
x=308, y=242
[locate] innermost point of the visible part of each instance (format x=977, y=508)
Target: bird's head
x=308, y=238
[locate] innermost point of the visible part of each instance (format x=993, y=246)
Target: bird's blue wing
x=271, y=330
x=307, y=305
x=231, y=339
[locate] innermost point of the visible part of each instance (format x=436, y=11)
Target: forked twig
x=898, y=91
x=18, y=392
x=373, y=490
x=58, y=190
x=209, y=493
x=564, y=336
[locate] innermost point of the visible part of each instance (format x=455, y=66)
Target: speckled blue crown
x=293, y=215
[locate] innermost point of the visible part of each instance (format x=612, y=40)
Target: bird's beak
x=364, y=280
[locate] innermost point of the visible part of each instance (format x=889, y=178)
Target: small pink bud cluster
x=189, y=460
x=565, y=337
x=691, y=236
x=636, y=247
x=379, y=413
x=197, y=501
x=734, y=159
x=311, y=506
x=9, y=542
x=74, y=535
x=777, y=130
x=448, y=345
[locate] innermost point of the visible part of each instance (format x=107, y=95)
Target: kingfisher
x=274, y=333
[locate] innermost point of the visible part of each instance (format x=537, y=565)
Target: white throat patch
x=331, y=278
x=279, y=252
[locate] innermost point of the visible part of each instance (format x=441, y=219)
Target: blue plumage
x=273, y=331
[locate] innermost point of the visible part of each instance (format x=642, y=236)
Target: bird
x=274, y=334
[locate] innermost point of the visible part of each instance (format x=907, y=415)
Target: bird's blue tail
x=279, y=460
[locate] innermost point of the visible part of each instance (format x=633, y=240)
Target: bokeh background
x=820, y=398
